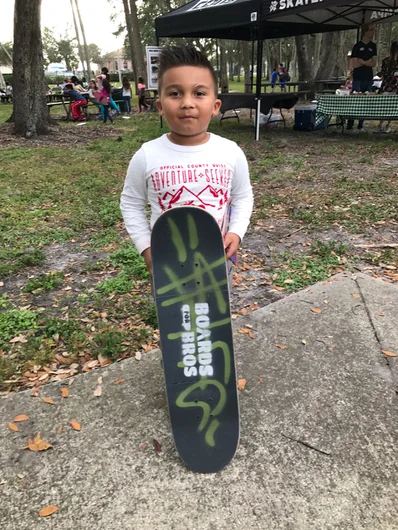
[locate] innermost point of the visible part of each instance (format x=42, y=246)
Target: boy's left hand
x=231, y=244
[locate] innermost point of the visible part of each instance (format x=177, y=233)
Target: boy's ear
x=159, y=107
x=217, y=105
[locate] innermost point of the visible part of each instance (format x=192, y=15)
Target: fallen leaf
x=389, y=353
x=99, y=380
x=76, y=425
x=37, y=444
x=138, y=356
x=118, y=381
x=157, y=446
x=241, y=384
x=64, y=392
x=48, y=400
x=281, y=346
x=288, y=281
x=13, y=427
x=60, y=429
x=316, y=310
x=380, y=314
x=21, y=417
x=260, y=379
x=354, y=295
x=19, y=338
x=304, y=341
x=98, y=391
x=48, y=510
x=251, y=334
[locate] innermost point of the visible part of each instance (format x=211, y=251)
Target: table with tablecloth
x=357, y=106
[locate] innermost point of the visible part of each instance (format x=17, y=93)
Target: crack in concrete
x=372, y=324
x=306, y=444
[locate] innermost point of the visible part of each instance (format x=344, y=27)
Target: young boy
x=188, y=166
x=77, y=101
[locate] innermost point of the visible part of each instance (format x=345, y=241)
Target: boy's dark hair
x=174, y=56
x=140, y=79
x=69, y=86
x=104, y=70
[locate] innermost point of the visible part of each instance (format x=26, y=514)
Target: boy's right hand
x=148, y=259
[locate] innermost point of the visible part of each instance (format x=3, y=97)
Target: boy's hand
x=231, y=244
x=148, y=259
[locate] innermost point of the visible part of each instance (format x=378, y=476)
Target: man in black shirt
x=363, y=59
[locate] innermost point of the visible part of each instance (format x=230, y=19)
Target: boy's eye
x=174, y=93
x=200, y=93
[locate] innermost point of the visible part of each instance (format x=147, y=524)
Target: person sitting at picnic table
x=84, y=83
x=93, y=93
x=66, y=81
x=363, y=59
x=77, y=102
x=389, y=74
x=274, y=78
x=77, y=85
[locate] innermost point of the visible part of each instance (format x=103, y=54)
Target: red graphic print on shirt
x=203, y=185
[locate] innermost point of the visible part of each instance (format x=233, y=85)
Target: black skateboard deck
x=192, y=301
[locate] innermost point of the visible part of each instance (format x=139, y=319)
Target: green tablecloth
x=369, y=107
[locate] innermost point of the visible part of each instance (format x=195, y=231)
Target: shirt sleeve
x=241, y=196
x=133, y=201
x=354, y=52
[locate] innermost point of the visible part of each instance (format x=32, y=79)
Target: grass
x=68, y=195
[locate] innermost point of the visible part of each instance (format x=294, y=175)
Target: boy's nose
x=187, y=102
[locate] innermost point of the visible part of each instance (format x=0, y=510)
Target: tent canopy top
x=270, y=19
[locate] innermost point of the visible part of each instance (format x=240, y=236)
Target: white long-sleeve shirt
x=213, y=176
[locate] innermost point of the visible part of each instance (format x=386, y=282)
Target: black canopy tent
x=259, y=20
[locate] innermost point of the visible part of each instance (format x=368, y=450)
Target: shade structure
x=271, y=19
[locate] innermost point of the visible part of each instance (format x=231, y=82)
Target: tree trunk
x=137, y=46
x=131, y=42
x=29, y=90
x=304, y=62
x=78, y=39
x=246, y=64
x=86, y=53
x=330, y=52
x=223, y=69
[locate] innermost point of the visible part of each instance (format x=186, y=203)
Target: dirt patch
x=58, y=136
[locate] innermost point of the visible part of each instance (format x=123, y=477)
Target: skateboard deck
x=192, y=302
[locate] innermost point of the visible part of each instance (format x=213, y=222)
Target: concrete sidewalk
x=318, y=442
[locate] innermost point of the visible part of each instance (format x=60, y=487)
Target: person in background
x=274, y=78
x=77, y=84
x=77, y=102
x=282, y=72
x=84, y=83
x=99, y=79
x=141, y=95
x=363, y=59
x=8, y=92
x=66, y=81
x=104, y=97
x=93, y=93
x=126, y=95
x=389, y=74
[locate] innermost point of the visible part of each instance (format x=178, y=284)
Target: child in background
x=188, y=166
x=105, y=99
x=77, y=101
x=141, y=95
x=126, y=95
x=93, y=93
x=274, y=78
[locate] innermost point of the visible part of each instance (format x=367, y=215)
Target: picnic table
x=292, y=86
x=356, y=106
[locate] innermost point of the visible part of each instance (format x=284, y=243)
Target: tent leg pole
x=258, y=120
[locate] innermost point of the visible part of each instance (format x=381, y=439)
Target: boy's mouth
x=188, y=117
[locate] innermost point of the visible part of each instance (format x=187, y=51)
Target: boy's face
x=188, y=101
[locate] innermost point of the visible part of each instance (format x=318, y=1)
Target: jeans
x=359, y=86
x=106, y=113
x=127, y=103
